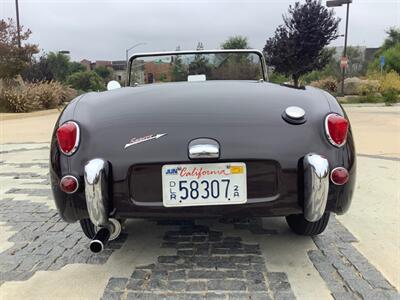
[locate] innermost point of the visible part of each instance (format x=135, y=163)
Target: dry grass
x=35, y=96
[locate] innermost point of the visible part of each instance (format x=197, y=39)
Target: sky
x=103, y=30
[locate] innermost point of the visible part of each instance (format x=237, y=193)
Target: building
x=157, y=72
x=118, y=67
x=144, y=72
x=366, y=54
x=86, y=63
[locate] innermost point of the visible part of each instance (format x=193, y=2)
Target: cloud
x=104, y=29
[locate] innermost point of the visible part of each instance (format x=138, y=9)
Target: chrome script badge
x=139, y=140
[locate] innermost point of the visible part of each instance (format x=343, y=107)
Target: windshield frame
x=194, y=52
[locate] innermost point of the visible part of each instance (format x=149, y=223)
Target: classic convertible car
x=201, y=134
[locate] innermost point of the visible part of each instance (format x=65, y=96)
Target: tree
x=75, y=67
x=392, y=60
x=51, y=66
x=236, y=42
x=392, y=39
x=390, y=50
x=200, y=64
x=86, y=81
x=179, y=72
x=298, y=46
x=59, y=64
x=104, y=72
x=14, y=59
x=38, y=70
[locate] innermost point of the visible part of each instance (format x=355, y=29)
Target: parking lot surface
x=42, y=257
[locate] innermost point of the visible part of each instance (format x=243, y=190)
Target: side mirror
x=112, y=85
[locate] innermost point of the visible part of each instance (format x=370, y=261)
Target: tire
x=88, y=228
x=301, y=226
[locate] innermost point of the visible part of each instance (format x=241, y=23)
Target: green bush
x=104, y=72
x=86, y=81
x=276, y=77
x=365, y=99
x=390, y=96
x=392, y=60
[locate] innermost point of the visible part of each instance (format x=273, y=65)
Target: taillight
x=339, y=176
x=69, y=184
x=336, y=128
x=68, y=137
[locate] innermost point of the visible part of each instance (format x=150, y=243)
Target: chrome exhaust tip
x=100, y=240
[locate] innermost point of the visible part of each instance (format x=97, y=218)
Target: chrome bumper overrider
x=96, y=191
x=316, y=186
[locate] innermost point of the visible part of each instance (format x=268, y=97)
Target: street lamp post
x=127, y=58
x=336, y=3
x=18, y=26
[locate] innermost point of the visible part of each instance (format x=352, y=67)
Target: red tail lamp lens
x=69, y=184
x=68, y=137
x=339, y=176
x=336, y=128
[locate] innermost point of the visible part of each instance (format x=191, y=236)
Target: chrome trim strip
x=249, y=201
x=77, y=141
x=74, y=178
x=96, y=191
x=146, y=54
x=316, y=186
x=203, y=151
x=328, y=134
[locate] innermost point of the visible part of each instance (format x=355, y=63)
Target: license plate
x=204, y=184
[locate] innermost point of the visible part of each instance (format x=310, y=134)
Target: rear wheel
x=303, y=227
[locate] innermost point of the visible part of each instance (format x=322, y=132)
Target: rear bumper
x=316, y=188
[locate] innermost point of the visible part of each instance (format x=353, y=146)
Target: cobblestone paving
x=42, y=240
x=347, y=273
x=206, y=264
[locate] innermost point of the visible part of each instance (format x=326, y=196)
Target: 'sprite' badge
x=135, y=141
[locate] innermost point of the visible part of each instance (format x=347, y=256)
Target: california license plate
x=204, y=184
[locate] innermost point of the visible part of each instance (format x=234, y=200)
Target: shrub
x=362, y=87
x=35, y=96
x=390, y=96
x=276, y=77
x=390, y=80
x=86, y=81
x=328, y=84
x=368, y=87
x=365, y=99
x=390, y=87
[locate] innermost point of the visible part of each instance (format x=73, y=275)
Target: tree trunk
x=295, y=80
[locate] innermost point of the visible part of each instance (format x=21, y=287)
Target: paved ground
x=358, y=256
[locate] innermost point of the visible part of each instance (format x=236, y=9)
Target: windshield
x=196, y=67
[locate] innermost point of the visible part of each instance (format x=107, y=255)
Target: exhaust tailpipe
x=100, y=240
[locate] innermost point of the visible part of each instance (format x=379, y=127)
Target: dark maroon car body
x=244, y=117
